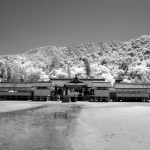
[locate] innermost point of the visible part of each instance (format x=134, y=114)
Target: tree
x=79, y=71
x=87, y=66
x=22, y=78
x=58, y=73
x=120, y=74
x=54, y=63
x=68, y=70
x=124, y=66
x=108, y=78
x=3, y=72
x=139, y=74
x=34, y=74
x=98, y=70
x=104, y=62
x=9, y=73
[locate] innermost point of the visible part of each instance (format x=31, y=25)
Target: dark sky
x=27, y=24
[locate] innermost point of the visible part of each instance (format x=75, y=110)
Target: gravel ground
x=77, y=126
x=38, y=129
x=113, y=126
x=8, y=106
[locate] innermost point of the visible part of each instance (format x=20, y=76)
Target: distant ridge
x=118, y=58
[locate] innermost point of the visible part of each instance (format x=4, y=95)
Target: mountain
x=129, y=61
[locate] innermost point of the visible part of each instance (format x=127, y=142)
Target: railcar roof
x=131, y=85
x=9, y=85
x=102, y=84
x=41, y=84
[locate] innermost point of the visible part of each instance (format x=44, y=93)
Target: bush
x=148, y=64
x=147, y=51
x=104, y=62
x=131, y=53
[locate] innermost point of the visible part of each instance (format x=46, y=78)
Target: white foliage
x=126, y=81
x=138, y=70
x=27, y=64
x=33, y=70
x=108, y=78
x=44, y=76
x=98, y=70
x=77, y=71
x=58, y=73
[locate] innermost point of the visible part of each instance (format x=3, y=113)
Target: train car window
x=1, y=89
x=105, y=88
x=99, y=88
x=42, y=87
x=38, y=87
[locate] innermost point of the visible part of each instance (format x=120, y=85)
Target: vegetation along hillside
x=129, y=61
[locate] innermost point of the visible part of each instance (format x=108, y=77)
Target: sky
x=27, y=24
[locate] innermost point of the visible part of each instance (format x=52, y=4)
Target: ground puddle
x=62, y=115
x=18, y=112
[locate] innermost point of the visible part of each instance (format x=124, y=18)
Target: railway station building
x=87, y=89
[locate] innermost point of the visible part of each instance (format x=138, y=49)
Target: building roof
x=76, y=80
x=112, y=89
x=76, y=84
x=131, y=86
x=41, y=84
x=15, y=85
x=102, y=84
x=42, y=81
x=82, y=79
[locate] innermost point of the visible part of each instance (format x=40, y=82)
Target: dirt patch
x=112, y=126
x=10, y=106
x=78, y=126
x=45, y=128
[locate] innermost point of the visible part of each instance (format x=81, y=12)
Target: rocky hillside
x=129, y=61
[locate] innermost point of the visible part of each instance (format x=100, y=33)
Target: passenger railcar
x=15, y=91
x=133, y=92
